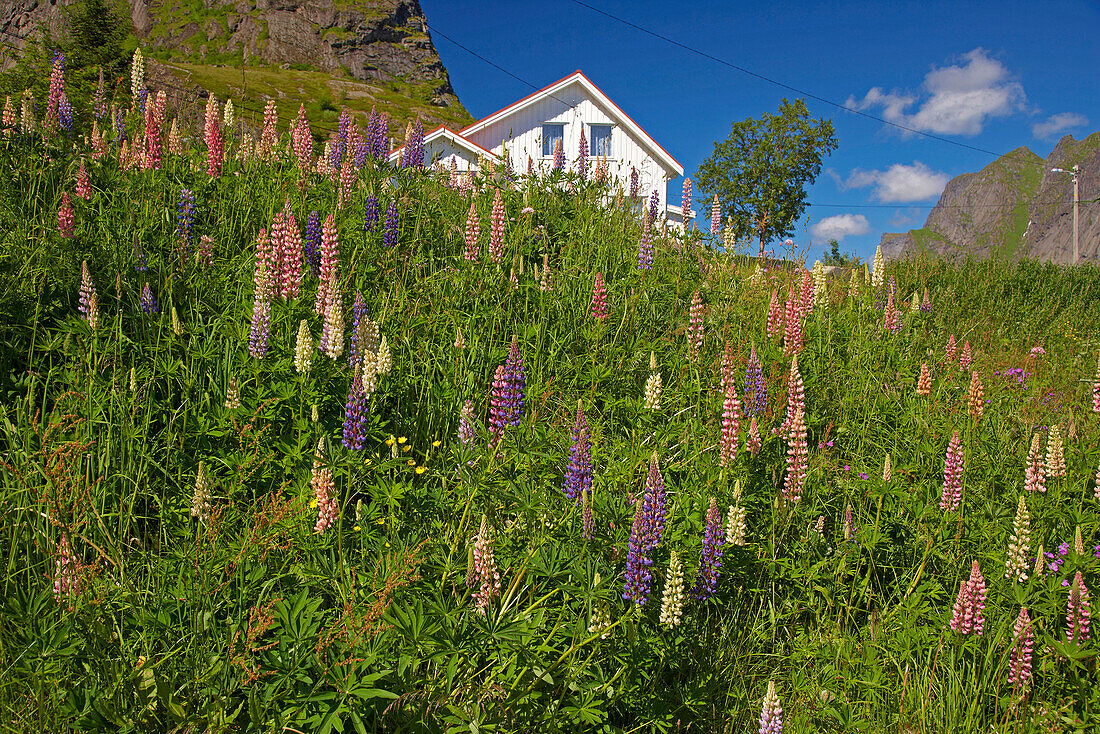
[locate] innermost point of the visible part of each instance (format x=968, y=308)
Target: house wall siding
x=521, y=134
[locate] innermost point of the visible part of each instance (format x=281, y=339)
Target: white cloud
x=956, y=99
x=900, y=182
x=839, y=227
x=1057, y=124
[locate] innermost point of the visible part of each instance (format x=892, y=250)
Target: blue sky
x=993, y=75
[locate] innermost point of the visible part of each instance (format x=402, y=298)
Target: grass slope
x=249, y=620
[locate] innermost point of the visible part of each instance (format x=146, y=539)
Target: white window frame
x=544, y=139
x=592, y=138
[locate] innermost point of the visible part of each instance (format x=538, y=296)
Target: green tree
x=761, y=171
x=96, y=30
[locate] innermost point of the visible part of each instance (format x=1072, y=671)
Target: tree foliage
x=96, y=30
x=761, y=171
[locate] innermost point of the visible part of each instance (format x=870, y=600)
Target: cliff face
x=378, y=52
x=1013, y=208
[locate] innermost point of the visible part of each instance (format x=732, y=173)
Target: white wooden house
x=529, y=130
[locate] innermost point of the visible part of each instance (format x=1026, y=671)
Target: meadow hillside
x=311, y=443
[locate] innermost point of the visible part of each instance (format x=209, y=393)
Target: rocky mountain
x=327, y=53
x=1015, y=207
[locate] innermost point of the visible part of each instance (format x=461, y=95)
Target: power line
x=783, y=85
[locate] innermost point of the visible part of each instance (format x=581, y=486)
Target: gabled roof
x=578, y=76
x=445, y=132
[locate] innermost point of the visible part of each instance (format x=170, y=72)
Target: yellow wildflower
x=421, y=469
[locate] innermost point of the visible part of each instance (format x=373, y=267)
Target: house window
x=601, y=140
x=552, y=134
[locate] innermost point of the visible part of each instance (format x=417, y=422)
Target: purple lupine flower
x=654, y=504
x=361, y=150
x=517, y=382
x=148, y=301
x=358, y=313
x=710, y=562
x=653, y=200
x=382, y=137
x=389, y=237
x=756, y=391
x=639, y=580
x=141, y=262
x=559, y=156
x=509, y=387
x=185, y=222
x=342, y=125
x=645, y=247
x=355, y=413
x=312, y=245
x=372, y=127
x=582, y=156
x=633, y=184
x=65, y=113
x=467, y=434
x=578, y=475
x=370, y=214
x=414, y=147
x=120, y=127
x=261, y=312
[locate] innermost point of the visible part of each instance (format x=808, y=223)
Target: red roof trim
x=576, y=74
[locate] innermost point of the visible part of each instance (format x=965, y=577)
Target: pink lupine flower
x=792, y=337
x=728, y=365
x=806, y=294
x=485, y=566
x=952, y=475
x=771, y=714
x=1077, y=614
x=1023, y=641
x=796, y=459
x=1096, y=482
x=215, y=143
x=775, y=316
x=347, y=181
x=716, y=217
x=496, y=229
x=796, y=396
x=731, y=426
x=685, y=202
x=153, y=143
x=324, y=491
x=65, y=218
x=269, y=137
x=302, y=141
x=57, y=91
x=969, y=611
x=83, y=184
x=753, y=443
x=890, y=315
x=599, y=299
x=1096, y=388
x=695, y=327
x=65, y=579
x=924, y=383
x=473, y=233
x=290, y=256
x=1035, y=471
x=965, y=357
x=950, y=350
x=329, y=265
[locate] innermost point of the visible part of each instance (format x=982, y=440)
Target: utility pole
x=1075, y=172
x=1076, y=213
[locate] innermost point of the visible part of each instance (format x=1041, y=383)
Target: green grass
x=251, y=621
